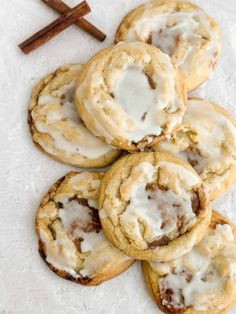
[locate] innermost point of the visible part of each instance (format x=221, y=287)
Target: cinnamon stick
x=55, y=27
x=61, y=7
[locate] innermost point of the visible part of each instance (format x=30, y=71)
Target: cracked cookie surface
x=207, y=140
x=153, y=206
x=56, y=127
x=71, y=240
x=201, y=281
x=130, y=95
x=179, y=28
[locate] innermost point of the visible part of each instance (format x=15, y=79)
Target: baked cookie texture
x=71, y=240
x=153, y=206
x=179, y=28
x=56, y=127
x=203, y=280
x=130, y=95
x=207, y=140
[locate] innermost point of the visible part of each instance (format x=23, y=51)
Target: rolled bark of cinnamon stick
x=55, y=27
x=61, y=7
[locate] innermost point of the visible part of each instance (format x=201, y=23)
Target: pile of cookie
x=177, y=154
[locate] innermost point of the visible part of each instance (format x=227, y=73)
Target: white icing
x=85, y=144
x=79, y=182
x=62, y=264
x=74, y=217
x=48, y=99
x=153, y=212
x=68, y=111
x=211, y=132
x=184, y=175
x=165, y=37
x=92, y=240
x=93, y=203
x=101, y=252
x=169, y=29
x=196, y=276
x=160, y=267
x=216, y=241
x=157, y=210
x=196, y=289
x=62, y=108
x=102, y=256
x=135, y=96
x=140, y=174
x=61, y=252
x=80, y=177
x=73, y=212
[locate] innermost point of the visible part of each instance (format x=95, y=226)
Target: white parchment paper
x=26, y=283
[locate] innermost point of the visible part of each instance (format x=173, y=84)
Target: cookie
x=130, y=95
x=179, y=28
x=207, y=140
x=71, y=240
x=202, y=281
x=153, y=206
x=56, y=127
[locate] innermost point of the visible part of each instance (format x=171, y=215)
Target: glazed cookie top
x=203, y=279
x=180, y=29
x=152, y=201
x=56, y=126
x=130, y=95
x=70, y=233
x=207, y=140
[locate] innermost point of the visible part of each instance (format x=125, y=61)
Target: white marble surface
x=26, y=284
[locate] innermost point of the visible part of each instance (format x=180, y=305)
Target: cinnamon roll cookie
x=56, y=127
x=153, y=206
x=130, y=95
x=179, y=28
x=71, y=240
x=202, y=281
x=207, y=140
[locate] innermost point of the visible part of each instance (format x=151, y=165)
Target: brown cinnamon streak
x=61, y=7
x=55, y=27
